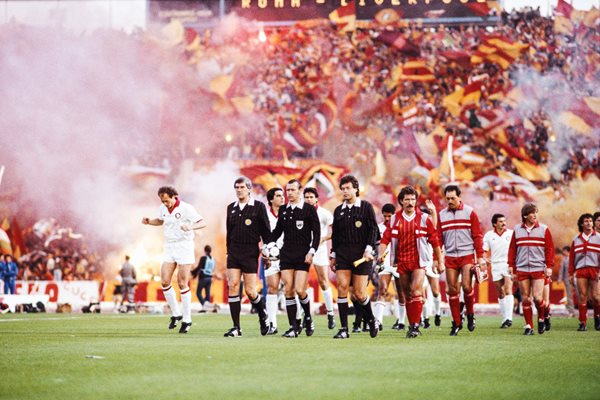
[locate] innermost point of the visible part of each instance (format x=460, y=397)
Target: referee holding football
x=353, y=238
x=299, y=223
x=247, y=225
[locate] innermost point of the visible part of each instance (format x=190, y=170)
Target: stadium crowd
x=381, y=107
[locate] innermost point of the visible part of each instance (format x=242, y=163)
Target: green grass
x=43, y=356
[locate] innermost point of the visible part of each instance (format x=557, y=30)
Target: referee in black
x=299, y=223
x=247, y=225
x=353, y=237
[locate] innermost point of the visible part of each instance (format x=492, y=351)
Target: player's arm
x=153, y=221
x=549, y=252
x=477, y=236
x=512, y=255
x=572, y=262
x=384, y=243
x=373, y=234
x=196, y=225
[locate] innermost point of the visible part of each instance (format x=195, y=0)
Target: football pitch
x=48, y=356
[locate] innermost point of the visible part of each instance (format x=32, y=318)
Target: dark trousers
x=204, y=283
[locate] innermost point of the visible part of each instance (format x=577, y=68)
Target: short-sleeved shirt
x=182, y=214
x=498, y=245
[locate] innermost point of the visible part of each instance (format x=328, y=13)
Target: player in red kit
x=409, y=234
x=531, y=256
x=461, y=235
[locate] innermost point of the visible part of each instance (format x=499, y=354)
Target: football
x=272, y=252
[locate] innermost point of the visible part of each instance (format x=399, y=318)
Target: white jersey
x=182, y=214
x=273, y=224
x=325, y=220
x=387, y=260
x=498, y=245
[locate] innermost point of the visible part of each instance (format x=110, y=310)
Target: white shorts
x=181, y=253
x=499, y=271
x=321, y=257
x=273, y=269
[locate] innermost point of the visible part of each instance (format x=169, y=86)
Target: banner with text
x=193, y=11
x=76, y=293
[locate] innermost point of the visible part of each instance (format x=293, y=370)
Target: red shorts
x=587, y=273
x=459, y=262
x=405, y=268
x=524, y=276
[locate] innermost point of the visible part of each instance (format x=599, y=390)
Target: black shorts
x=292, y=257
x=243, y=257
x=296, y=266
x=345, y=257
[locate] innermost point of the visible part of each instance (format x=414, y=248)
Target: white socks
x=298, y=308
x=172, y=301
x=401, y=311
x=378, y=312
x=328, y=297
x=437, y=304
x=509, y=300
x=186, y=304
x=272, y=309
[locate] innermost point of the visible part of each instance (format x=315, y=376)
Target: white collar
x=250, y=202
x=300, y=204
x=406, y=217
x=586, y=237
x=356, y=204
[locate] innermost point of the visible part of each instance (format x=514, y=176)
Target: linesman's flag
x=344, y=17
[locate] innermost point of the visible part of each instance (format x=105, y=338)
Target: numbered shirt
x=182, y=214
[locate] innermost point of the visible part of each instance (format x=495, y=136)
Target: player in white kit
x=497, y=242
x=276, y=200
x=321, y=258
x=179, y=219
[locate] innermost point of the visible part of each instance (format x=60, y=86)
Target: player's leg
x=582, y=285
x=273, y=280
x=382, y=293
x=594, y=289
x=166, y=274
x=436, y=296
x=300, y=286
x=287, y=277
x=322, y=272
x=537, y=290
x=360, y=282
x=525, y=289
x=452, y=279
x=499, y=286
x=400, y=304
x=343, y=278
x=547, y=282
x=415, y=295
x=509, y=299
x=234, y=277
x=469, y=292
x=183, y=279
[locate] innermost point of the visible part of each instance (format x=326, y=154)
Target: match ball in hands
x=272, y=251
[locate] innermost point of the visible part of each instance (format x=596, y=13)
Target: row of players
x=410, y=237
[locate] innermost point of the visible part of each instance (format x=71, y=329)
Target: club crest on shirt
x=177, y=215
x=299, y=224
x=248, y=222
x=358, y=224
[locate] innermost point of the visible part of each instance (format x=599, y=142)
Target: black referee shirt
x=300, y=227
x=354, y=227
x=248, y=226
